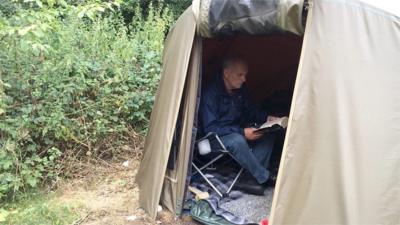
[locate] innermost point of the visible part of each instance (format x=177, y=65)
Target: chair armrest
x=207, y=136
x=210, y=136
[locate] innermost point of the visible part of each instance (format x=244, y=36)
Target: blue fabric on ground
x=222, y=183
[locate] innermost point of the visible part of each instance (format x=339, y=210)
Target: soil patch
x=111, y=197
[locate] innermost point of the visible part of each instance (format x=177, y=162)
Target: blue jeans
x=253, y=155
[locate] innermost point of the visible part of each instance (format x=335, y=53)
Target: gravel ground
x=253, y=208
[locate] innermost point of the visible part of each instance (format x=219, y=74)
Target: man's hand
x=272, y=118
x=250, y=133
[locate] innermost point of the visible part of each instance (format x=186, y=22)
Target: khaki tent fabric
x=175, y=182
x=290, y=16
x=176, y=56
x=341, y=160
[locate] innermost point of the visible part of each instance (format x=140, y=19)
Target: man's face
x=235, y=75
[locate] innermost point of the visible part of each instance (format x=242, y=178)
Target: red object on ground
x=264, y=222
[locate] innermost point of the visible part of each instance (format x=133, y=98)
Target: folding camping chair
x=204, y=148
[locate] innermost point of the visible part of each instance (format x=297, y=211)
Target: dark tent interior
x=272, y=62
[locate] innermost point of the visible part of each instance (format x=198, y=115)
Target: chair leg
x=235, y=180
x=207, y=180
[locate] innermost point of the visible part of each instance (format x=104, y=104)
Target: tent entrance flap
x=175, y=182
x=272, y=67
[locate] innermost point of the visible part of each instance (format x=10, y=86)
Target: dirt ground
x=111, y=198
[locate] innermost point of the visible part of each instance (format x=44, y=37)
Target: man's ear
x=225, y=72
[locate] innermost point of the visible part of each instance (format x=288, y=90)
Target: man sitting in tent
x=226, y=111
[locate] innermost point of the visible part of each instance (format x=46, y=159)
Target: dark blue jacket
x=224, y=114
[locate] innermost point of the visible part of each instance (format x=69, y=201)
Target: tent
x=341, y=156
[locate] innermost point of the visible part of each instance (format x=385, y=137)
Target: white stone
x=131, y=218
x=126, y=163
x=159, y=208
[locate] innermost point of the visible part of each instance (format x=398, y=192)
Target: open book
x=277, y=124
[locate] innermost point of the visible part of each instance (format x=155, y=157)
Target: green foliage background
x=73, y=73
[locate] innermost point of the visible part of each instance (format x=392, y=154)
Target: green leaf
x=62, y=3
x=7, y=85
x=3, y=215
x=51, y=2
x=7, y=163
x=39, y=3
x=100, y=9
x=32, y=181
x=38, y=33
x=26, y=29
x=82, y=13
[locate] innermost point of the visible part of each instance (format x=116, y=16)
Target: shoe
x=249, y=185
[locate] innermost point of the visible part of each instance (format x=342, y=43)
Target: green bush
x=175, y=6
x=71, y=76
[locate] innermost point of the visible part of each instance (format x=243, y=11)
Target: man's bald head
x=230, y=60
x=234, y=72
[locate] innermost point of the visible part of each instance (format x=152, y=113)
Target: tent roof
x=219, y=17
